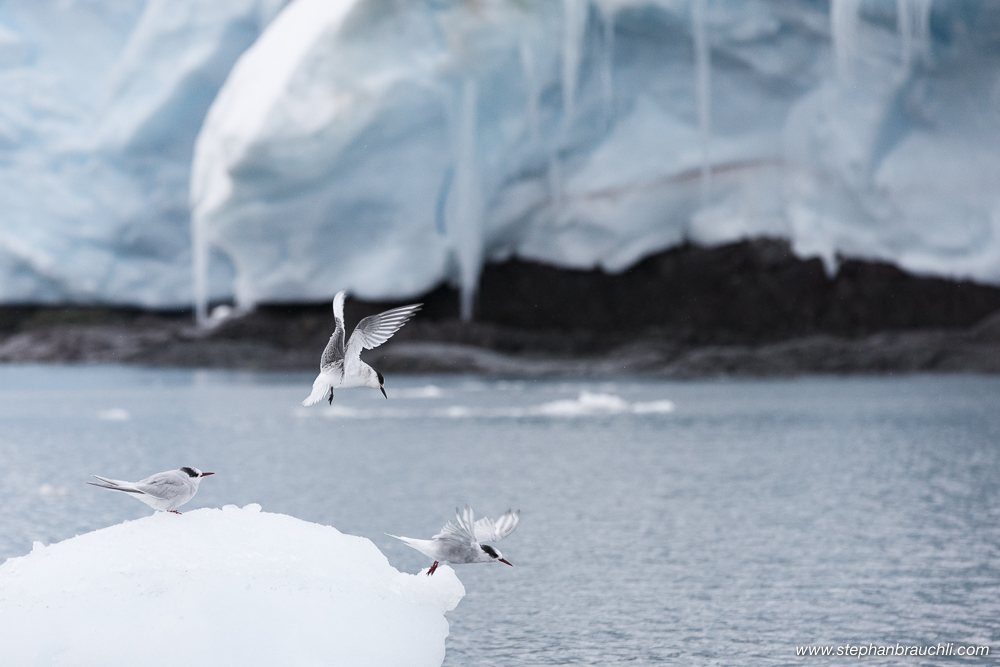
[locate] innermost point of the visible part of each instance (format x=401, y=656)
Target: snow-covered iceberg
x=216, y=587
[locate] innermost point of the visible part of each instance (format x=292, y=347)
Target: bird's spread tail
x=113, y=484
x=320, y=387
x=423, y=546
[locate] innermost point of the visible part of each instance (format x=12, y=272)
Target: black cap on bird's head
x=194, y=472
x=381, y=383
x=494, y=554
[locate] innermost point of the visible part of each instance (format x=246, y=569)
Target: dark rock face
x=750, y=308
x=750, y=292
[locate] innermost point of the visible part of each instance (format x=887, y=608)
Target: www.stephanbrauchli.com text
x=862, y=650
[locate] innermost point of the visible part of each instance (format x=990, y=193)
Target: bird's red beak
x=504, y=560
x=206, y=474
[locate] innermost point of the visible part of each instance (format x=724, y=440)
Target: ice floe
x=218, y=587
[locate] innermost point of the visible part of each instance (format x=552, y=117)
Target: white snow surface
x=386, y=147
x=216, y=587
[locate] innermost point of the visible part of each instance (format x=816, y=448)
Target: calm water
x=756, y=516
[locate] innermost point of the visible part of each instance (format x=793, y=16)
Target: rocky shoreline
x=746, y=309
x=173, y=344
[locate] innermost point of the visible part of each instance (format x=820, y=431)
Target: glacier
x=275, y=153
x=226, y=586
x=100, y=103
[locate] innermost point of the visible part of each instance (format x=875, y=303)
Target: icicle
x=903, y=20
x=922, y=30
x=199, y=265
x=555, y=183
x=574, y=26
x=913, y=21
x=467, y=208
x=844, y=21
x=533, y=92
x=703, y=67
x=574, y=23
x=607, y=69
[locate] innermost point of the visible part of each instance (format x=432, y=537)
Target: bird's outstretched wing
x=463, y=530
x=376, y=329
x=334, y=351
x=486, y=530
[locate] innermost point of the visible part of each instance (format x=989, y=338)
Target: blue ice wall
x=384, y=147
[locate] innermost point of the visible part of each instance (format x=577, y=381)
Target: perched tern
x=165, y=491
x=341, y=366
x=460, y=542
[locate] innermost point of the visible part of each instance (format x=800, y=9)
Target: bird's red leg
x=173, y=511
x=433, y=567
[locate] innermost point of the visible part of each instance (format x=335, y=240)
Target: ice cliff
x=220, y=587
x=384, y=147
x=100, y=103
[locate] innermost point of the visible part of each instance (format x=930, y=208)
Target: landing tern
x=164, y=491
x=341, y=366
x=460, y=542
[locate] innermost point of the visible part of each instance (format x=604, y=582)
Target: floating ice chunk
x=220, y=587
x=47, y=490
x=429, y=391
x=653, y=407
x=114, y=415
x=587, y=404
x=220, y=314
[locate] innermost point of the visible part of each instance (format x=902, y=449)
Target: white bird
x=164, y=491
x=460, y=542
x=341, y=366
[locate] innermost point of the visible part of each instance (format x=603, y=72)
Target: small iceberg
x=216, y=587
x=428, y=391
x=114, y=415
x=587, y=404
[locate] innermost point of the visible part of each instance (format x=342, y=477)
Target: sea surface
x=682, y=523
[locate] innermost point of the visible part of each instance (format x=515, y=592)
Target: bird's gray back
x=453, y=549
x=166, y=485
x=333, y=354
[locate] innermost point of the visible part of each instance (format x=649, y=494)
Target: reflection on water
x=687, y=523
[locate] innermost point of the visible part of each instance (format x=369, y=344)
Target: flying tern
x=340, y=365
x=164, y=491
x=461, y=542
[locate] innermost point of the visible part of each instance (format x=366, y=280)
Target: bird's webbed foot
x=173, y=511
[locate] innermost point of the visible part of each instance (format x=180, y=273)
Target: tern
x=341, y=366
x=164, y=491
x=460, y=542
